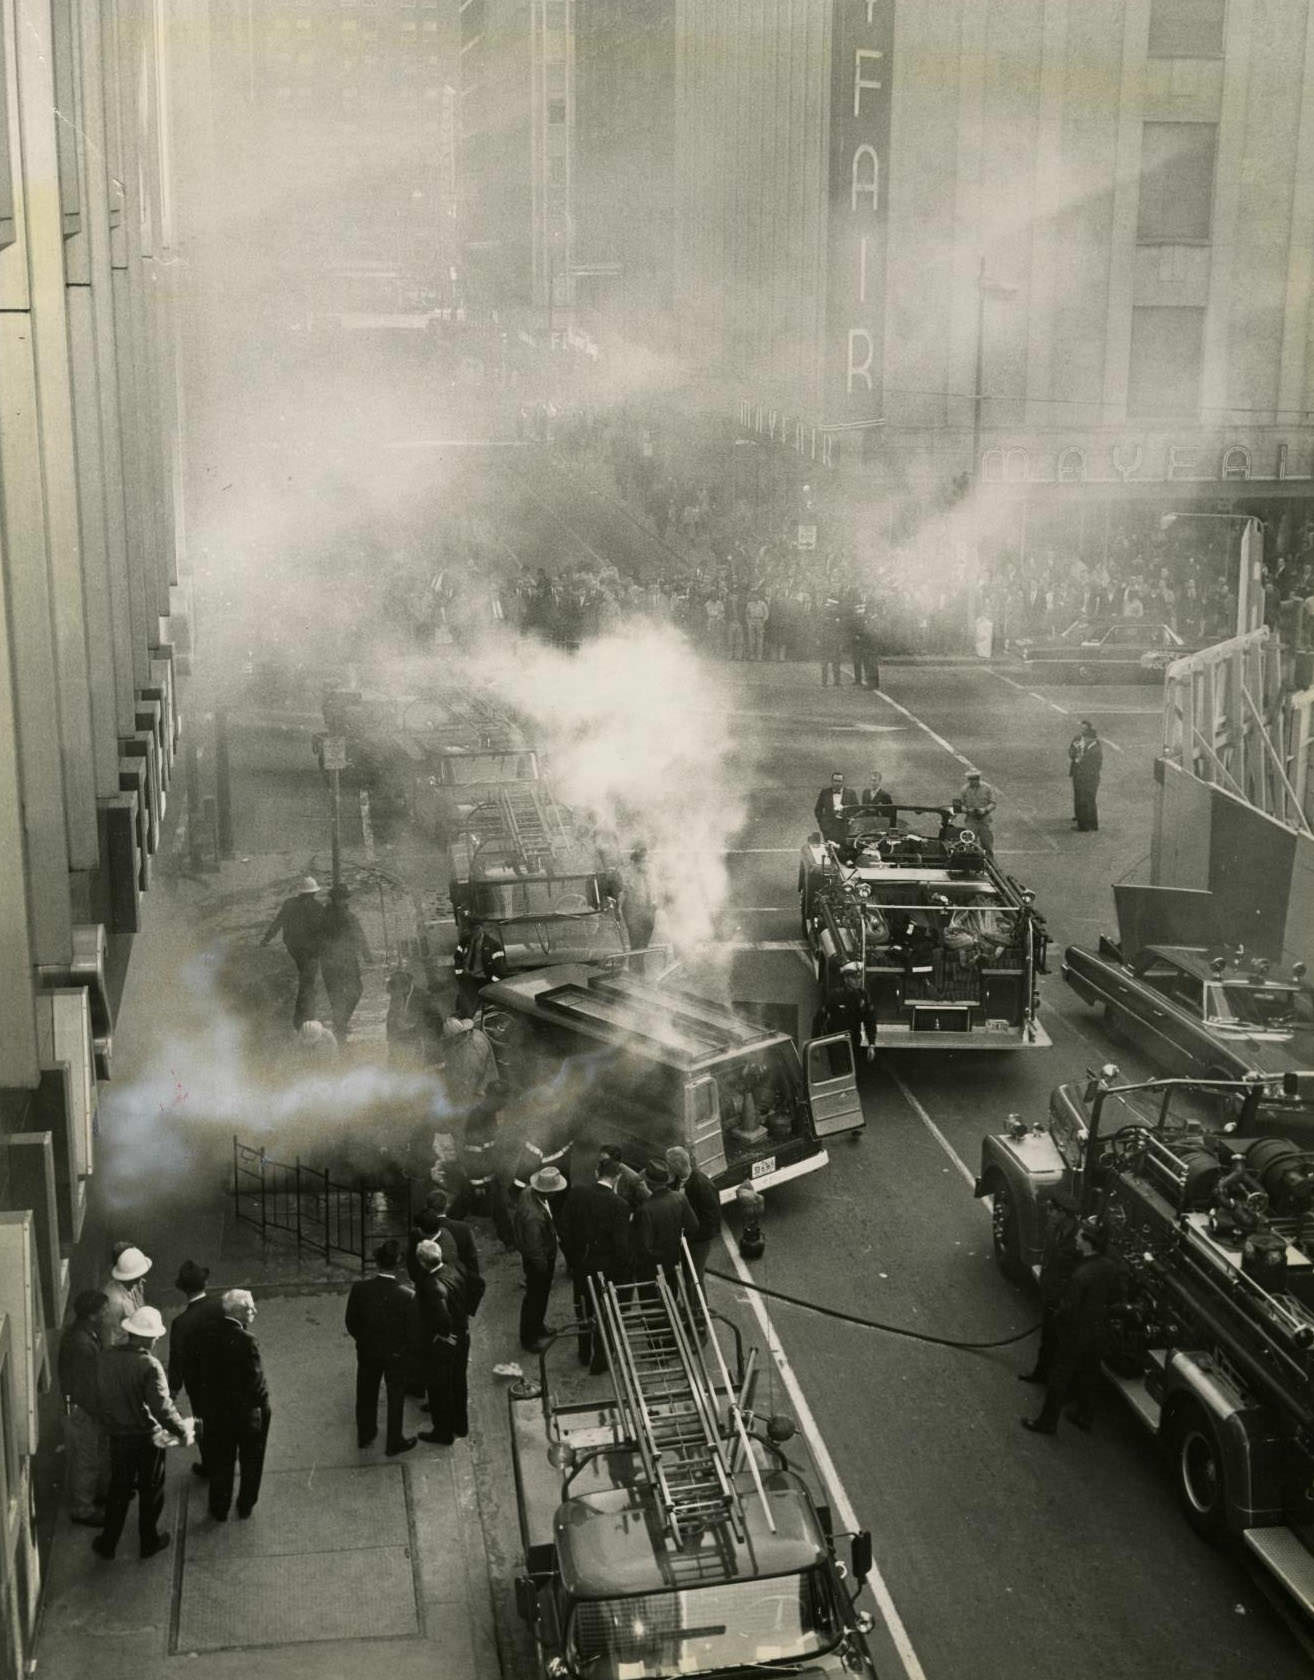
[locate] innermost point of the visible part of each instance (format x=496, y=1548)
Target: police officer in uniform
x=848, y=1008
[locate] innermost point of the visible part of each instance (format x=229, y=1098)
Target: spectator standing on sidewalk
x=202, y=1312
x=757, y=615
x=133, y=1400
x=300, y=919
x=378, y=1321
x=536, y=1238
x=594, y=1227
x=343, y=948
x=703, y=1197
x=237, y=1411
x=85, y=1443
x=834, y=633
x=659, y=1224
x=441, y=1327
x=125, y=1292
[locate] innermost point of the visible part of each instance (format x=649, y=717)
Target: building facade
x=517, y=102
x=1018, y=241
x=340, y=139
x=93, y=632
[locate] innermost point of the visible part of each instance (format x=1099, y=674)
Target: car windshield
x=1266, y=1007
x=471, y=768
x=704, y=1630
x=556, y=895
x=1082, y=631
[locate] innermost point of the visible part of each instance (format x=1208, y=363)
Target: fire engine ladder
x=535, y=823
x=668, y=1406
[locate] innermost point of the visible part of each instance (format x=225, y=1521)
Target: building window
x=1186, y=28
x=1166, y=349
x=1177, y=182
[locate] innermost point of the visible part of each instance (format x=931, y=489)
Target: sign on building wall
x=861, y=70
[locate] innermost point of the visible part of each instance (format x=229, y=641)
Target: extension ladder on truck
x=533, y=821
x=668, y=1405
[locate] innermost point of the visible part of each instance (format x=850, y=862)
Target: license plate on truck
x=766, y=1165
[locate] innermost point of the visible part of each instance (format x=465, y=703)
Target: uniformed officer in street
x=1085, y=761
x=1081, y=1325
x=848, y=1008
x=978, y=802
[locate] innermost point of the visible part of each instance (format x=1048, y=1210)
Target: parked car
x=1093, y=650
x=1205, y=1014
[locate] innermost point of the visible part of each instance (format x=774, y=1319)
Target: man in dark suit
x=594, y=1228
x=834, y=805
x=237, y=1411
x=378, y=1318
x=536, y=1238
x=659, y=1225
x=441, y=1331
x=1085, y=761
x=705, y=1200
x=185, y=1335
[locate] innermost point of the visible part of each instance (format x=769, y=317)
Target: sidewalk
x=353, y=1564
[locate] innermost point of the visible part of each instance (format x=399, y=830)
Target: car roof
x=611, y=1542
x=1196, y=960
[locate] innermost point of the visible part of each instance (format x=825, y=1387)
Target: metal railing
x=305, y=1205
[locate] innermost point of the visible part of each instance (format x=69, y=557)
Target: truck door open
x=702, y=1126
x=832, y=1085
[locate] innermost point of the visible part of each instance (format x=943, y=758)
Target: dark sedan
x=1095, y=650
x=1203, y=1016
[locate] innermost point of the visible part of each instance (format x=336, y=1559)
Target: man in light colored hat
x=125, y=1291
x=443, y=1337
x=135, y=1409
x=300, y=919
x=536, y=1238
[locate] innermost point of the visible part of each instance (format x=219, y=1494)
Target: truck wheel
x=1003, y=1227
x=1199, y=1471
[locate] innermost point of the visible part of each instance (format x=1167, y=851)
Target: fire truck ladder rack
x=532, y=820
x=668, y=1404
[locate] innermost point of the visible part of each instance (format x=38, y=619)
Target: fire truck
x=430, y=757
x=665, y=1531
x=1213, y=1347
x=946, y=947
x=529, y=886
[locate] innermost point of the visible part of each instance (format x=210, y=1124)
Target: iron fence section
x=308, y=1206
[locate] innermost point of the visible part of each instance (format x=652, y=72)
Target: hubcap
x=1199, y=1471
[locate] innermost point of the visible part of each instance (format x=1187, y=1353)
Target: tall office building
x=338, y=120
x=1056, y=246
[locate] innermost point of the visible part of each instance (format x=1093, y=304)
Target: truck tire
x=1199, y=1471
x=1003, y=1229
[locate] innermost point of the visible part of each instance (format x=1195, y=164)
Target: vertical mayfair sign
x=862, y=65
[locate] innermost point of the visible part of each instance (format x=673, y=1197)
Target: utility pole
x=334, y=761
x=223, y=785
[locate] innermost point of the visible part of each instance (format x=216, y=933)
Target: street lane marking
x=1054, y=706
x=933, y=1129
x=770, y=945
x=759, y=851
x=1051, y=845
x=839, y=1499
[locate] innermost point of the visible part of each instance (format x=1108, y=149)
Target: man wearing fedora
x=536, y=1238
x=133, y=1400
x=659, y=1224
x=186, y=1368
x=300, y=919
x=125, y=1291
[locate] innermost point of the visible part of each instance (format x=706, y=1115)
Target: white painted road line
x=1050, y=845
x=1055, y=707
x=840, y=1502
x=933, y=1129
